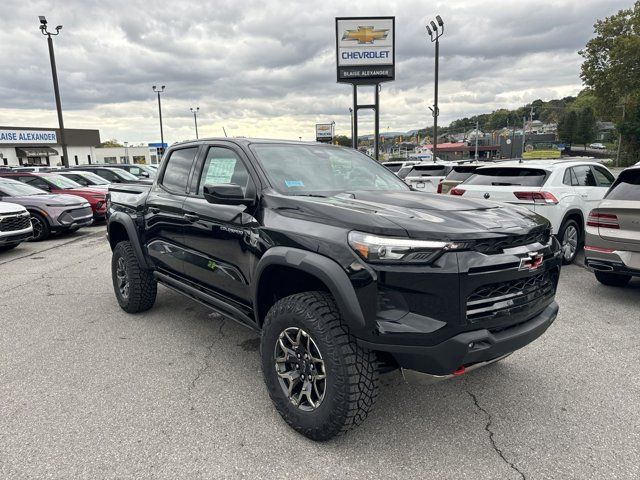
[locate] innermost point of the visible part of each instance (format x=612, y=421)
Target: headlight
x=373, y=248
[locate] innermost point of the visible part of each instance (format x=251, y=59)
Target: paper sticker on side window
x=294, y=183
x=220, y=170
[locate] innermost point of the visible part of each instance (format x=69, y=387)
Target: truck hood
x=413, y=214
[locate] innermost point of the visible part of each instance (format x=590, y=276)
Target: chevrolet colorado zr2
x=344, y=270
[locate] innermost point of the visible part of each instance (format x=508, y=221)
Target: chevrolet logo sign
x=365, y=35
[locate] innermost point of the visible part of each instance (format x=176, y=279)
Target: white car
x=425, y=177
x=563, y=191
x=15, y=225
x=597, y=146
x=395, y=166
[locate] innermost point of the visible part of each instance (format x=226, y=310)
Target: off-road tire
x=142, y=286
x=612, y=279
x=561, y=234
x=351, y=371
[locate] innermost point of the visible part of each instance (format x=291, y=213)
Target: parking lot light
x=435, y=32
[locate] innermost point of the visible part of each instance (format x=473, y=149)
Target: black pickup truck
x=344, y=270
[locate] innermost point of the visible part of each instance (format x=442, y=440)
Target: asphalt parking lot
x=88, y=391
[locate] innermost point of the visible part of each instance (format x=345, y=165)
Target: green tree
x=611, y=70
x=342, y=140
x=110, y=143
x=568, y=127
x=586, y=131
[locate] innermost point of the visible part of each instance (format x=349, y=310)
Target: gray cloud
x=269, y=66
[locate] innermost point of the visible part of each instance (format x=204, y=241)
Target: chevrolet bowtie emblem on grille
x=531, y=262
x=486, y=195
x=365, y=35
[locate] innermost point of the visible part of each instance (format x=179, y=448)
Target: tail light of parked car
x=457, y=191
x=439, y=190
x=537, y=197
x=603, y=220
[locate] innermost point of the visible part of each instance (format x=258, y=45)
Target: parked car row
x=569, y=193
x=15, y=226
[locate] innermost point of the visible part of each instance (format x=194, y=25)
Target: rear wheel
x=41, y=230
x=135, y=287
x=612, y=279
x=569, y=237
x=320, y=380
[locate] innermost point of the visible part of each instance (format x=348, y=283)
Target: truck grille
x=497, y=245
x=13, y=223
x=489, y=300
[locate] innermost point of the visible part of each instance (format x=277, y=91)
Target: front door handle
x=154, y=210
x=192, y=217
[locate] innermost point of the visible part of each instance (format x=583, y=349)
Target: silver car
x=49, y=212
x=612, y=243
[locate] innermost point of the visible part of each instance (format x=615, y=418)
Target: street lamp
x=126, y=152
x=435, y=32
x=195, y=119
x=159, y=91
x=353, y=140
x=56, y=89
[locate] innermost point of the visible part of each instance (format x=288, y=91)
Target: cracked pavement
x=88, y=391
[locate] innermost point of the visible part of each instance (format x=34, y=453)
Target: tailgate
x=424, y=184
x=628, y=220
x=497, y=193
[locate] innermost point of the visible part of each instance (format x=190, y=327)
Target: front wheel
x=135, y=287
x=612, y=279
x=320, y=380
x=41, y=230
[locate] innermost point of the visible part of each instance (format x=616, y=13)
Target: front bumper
x=7, y=238
x=469, y=348
x=73, y=218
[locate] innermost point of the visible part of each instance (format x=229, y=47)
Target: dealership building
x=41, y=146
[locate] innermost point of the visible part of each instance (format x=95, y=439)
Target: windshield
x=459, y=174
x=14, y=188
x=92, y=178
x=394, y=167
x=61, y=182
x=123, y=174
x=428, y=171
x=322, y=170
x=528, y=177
x=627, y=187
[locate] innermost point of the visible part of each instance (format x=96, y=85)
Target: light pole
x=195, y=118
x=56, y=89
x=435, y=32
x=159, y=91
x=477, y=128
x=353, y=140
x=126, y=152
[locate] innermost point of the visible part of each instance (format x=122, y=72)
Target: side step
x=205, y=299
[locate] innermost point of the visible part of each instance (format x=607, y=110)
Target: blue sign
x=158, y=145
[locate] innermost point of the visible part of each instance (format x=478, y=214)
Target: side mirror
x=226, y=194
x=144, y=174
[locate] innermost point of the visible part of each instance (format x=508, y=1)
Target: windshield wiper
x=309, y=195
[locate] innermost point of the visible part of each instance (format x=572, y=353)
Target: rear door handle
x=154, y=210
x=192, y=217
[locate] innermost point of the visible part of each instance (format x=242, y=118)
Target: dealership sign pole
x=365, y=55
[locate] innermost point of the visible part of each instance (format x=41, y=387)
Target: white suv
x=15, y=225
x=563, y=191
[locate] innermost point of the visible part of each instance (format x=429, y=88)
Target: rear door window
x=584, y=176
x=178, y=166
x=603, y=177
x=627, y=187
x=497, y=176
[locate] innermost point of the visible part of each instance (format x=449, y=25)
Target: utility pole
x=524, y=127
x=56, y=89
x=195, y=118
x=477, y=127
x=159, y=91
x=435, y=35
x=353, y=143
x=620, y=134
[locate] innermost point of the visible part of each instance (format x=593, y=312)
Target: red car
x=54, y=183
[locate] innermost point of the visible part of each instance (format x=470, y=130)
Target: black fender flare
x=321, y=267
x=40, y=212
x=126, y=221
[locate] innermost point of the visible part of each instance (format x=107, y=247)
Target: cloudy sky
x=267, y=68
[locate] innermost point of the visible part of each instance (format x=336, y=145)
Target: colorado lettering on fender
x=365, y=55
